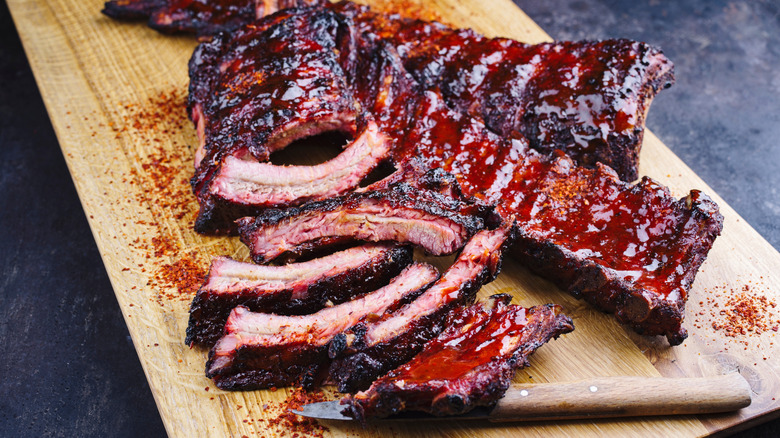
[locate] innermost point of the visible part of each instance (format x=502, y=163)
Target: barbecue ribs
x=292, y=289
x=469, y=364
x=630, y=249
x=201, y=17
x=261, y=350
x=372, y=348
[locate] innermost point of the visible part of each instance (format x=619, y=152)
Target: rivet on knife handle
x=623, y=397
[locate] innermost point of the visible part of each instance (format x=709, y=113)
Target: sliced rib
x=372, y=348
x=292, y=289
x=261, y=350
x=400, y=213
x=249, y=186
x=471, y=363
x=201, y=17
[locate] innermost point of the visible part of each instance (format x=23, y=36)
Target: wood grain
x=97, y=75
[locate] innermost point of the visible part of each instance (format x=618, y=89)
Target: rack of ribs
x=585, y=98
x=588, y=99
x=632, y=250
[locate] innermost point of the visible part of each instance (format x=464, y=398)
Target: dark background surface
x=67, y=365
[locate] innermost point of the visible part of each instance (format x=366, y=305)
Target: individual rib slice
x=471, y=363
x=268, y=185
x=261, y=350
x=372, y=348
x=244, y=187
x=292, y=289
x=400, y=213
x=201, y=17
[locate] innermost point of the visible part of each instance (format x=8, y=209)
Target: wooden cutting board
x=115, y=96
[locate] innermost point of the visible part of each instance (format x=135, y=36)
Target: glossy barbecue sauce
x=641, y=232
x=273, y=90
x=476, y=337
x=587, y=99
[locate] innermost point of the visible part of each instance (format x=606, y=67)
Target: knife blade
x=602, y=397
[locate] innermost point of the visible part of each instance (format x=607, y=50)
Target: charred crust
x=131, y=9
x=337, y=345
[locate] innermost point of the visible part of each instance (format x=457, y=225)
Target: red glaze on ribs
x=261, y=350
x=576, y=225
x=292, y=289
x=631, y=250
x=401, y=213
x=587, y=98
x=372, y=348
x=255, y=92
x=471, y=363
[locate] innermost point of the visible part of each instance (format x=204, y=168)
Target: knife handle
x=605, y=397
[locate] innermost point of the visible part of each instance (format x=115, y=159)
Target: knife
x=601, y=397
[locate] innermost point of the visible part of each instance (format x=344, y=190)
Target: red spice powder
x=740, y=312
x=284, y=423
x=186, y=274
x=168, y=167
x=746, y=313
x=163, y=175
x=163, y=113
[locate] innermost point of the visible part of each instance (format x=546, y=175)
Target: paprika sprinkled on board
x=278, y=421
x=163, y=174
x=742, y=312
x=746, y=313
